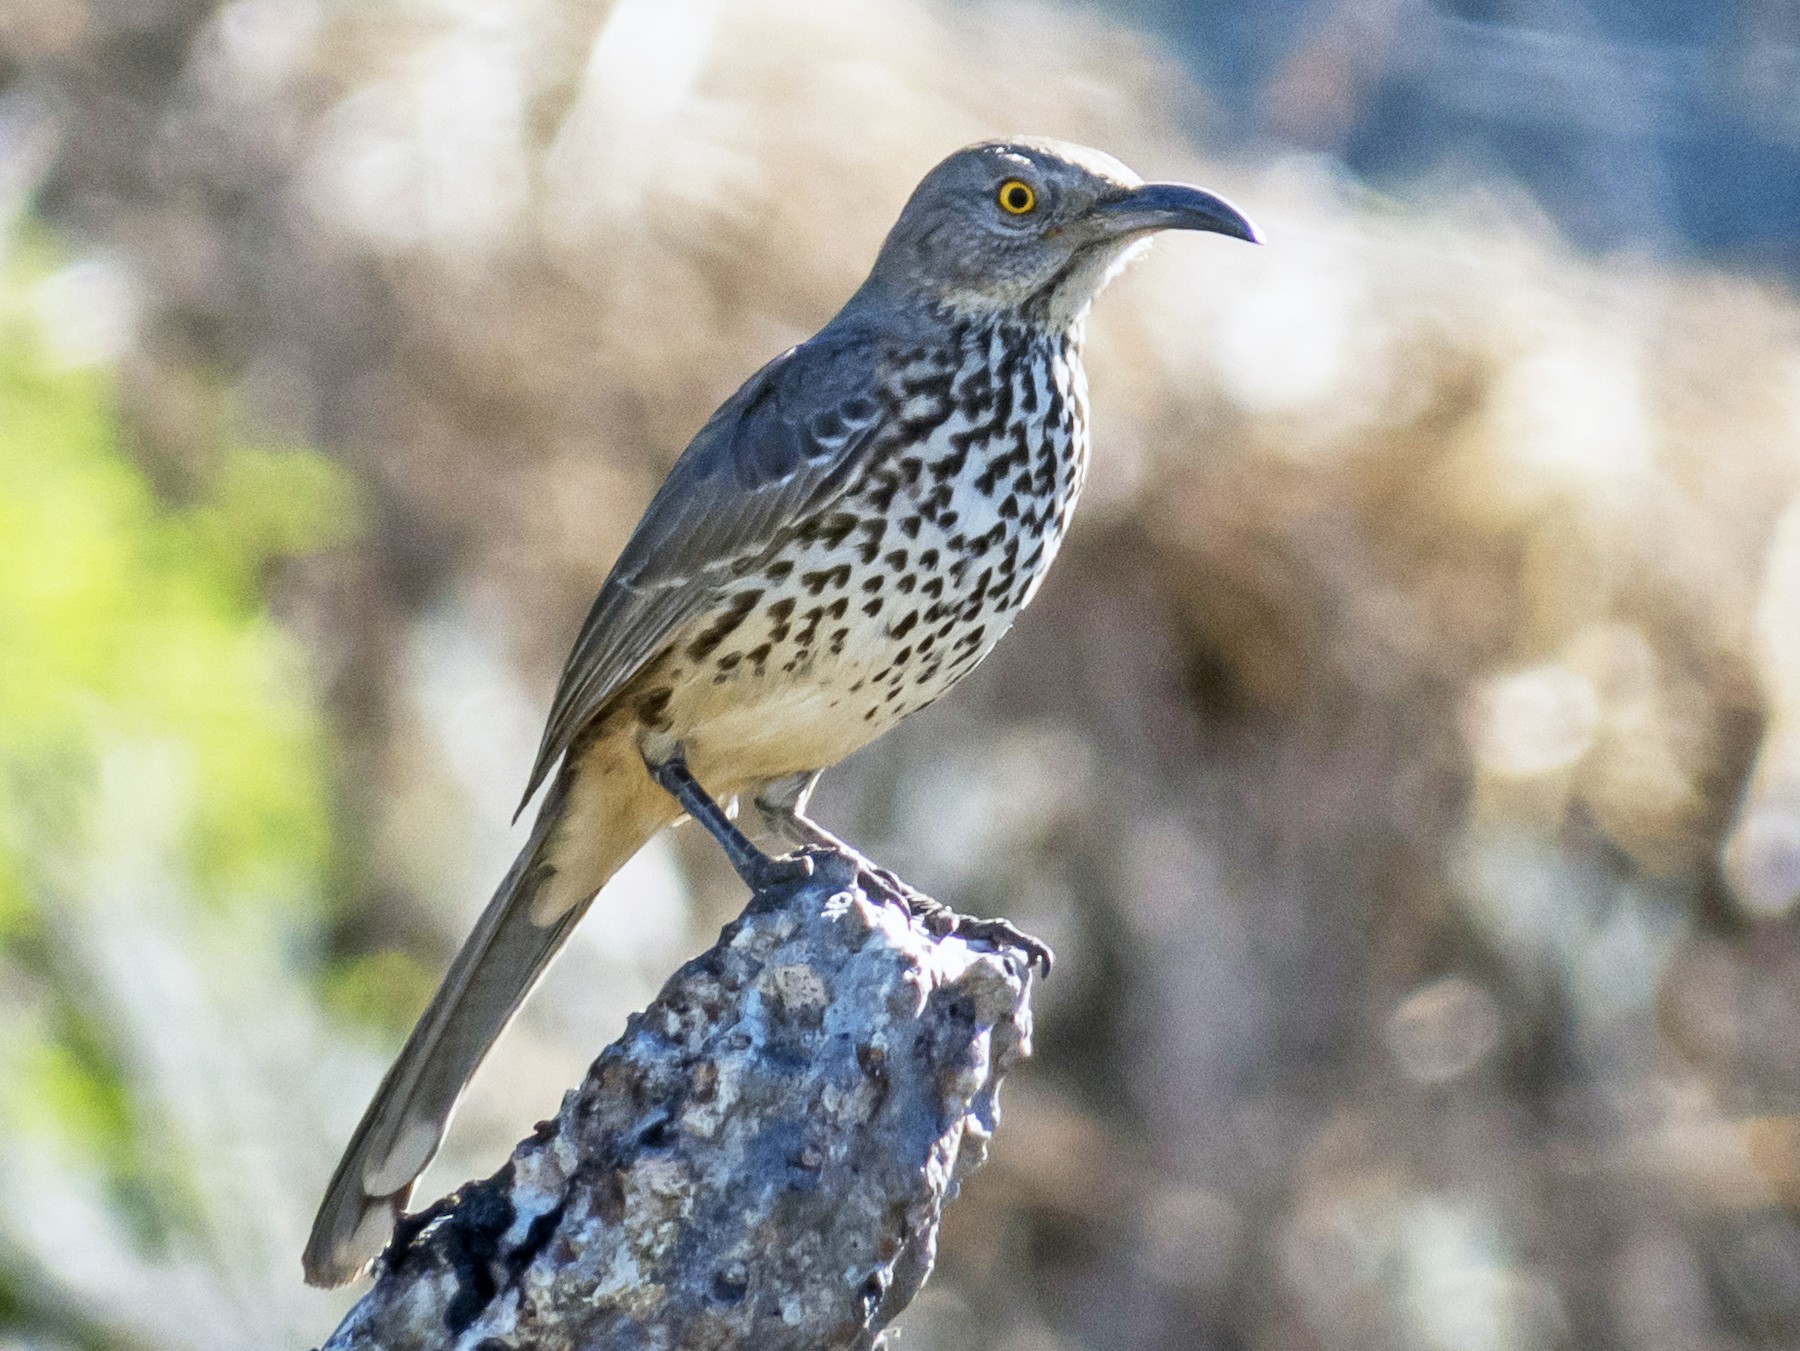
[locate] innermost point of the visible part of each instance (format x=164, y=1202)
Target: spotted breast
x=870, y=610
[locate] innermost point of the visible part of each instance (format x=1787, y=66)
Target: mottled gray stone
x=759, y=1162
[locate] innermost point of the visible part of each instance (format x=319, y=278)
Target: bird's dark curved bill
x=1176, y=206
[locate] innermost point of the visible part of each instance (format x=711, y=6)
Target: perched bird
x=847, y=537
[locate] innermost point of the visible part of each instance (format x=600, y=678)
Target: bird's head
x=1033, y=229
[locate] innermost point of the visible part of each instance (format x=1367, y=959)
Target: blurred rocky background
x=1404, y=757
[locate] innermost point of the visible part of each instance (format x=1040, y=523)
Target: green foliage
x=73, y=1097
x=383, y=990
x=126, y=623
x=122, y=620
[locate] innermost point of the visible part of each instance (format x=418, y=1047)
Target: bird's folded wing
x=775, y=454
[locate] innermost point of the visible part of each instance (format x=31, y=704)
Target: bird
x=842, y=541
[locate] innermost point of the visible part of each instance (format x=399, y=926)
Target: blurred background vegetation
x=1404, y=758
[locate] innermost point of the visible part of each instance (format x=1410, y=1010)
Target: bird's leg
x=758, y=870
x=782, y=806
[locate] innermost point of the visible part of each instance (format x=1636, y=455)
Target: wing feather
x=775, y=453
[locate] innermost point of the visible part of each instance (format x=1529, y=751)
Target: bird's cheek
x=1097, y=265
x=1124, y=257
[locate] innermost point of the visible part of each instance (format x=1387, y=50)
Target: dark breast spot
x=831, y=529
x=724, y=626
x=873, y=529
x=652, y=707
x=815, y=582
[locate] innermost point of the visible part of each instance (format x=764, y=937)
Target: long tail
x=594, y=819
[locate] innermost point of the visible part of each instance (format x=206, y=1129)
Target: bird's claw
x=941, y=921
x=886, y=883
x=1001, y=935
x=768, y=874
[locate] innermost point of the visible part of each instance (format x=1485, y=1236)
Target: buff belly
x=758, y=721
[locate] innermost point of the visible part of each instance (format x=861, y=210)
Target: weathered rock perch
x=760, y=1162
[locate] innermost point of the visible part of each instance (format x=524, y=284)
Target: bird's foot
x=764, y=872
x=941, y=921
x=944, y=921
x=760, y=871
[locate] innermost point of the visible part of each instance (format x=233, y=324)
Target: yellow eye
x=1016, y=198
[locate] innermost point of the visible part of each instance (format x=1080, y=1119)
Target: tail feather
x=537, y=905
